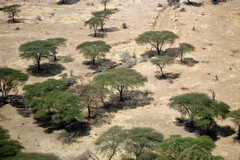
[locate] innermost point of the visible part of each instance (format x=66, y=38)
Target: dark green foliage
x=8, y=147
x=103, y=16
x=162, y=61
x=10, y=79
x=110, y=142
x=120, y=79
x=12, y=10
x=185, y=48
x=235, y=117
x=94, y=49
x=141, y=142
x=50, y=101
x=37, y=50
x=93, y=23
x=33, y=156
x=57, y=42
x=199, y=108
x=156, y=39
x=180, y=148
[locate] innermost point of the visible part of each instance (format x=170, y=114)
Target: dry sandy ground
x=216, y=38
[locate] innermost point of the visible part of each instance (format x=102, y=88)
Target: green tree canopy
x=10, y=79
x=35, y=96
x=8, y=147
x=57, y=42
x=199, y=108
x=103, y=16
x=235, y=117
x=110, y=142
x=12, y=10
x=162, y=61
x=176, y=147
x=120, y=79
x=37, y=50
x=93, y=23
x=156, y=39
x=185, y=48
x=141, y=140
x=65, y=106
x=94, y=49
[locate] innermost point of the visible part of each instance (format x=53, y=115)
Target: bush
x=183, y=10
x=129, y=63
x=124, y=25
x=124, y=56
x=68, y=137
x=8, y=147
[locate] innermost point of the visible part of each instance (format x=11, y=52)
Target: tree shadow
x=111, y=29
x=218, y=1
x=172, y=52
x=47, y=70
x=169, y=76
x=81, y=127
x=194, y=4
x=131, y=99
x=63, y=59
x=215, y=132
x=98, y=35
x=190, y=62
x=101, y=65
x=67, y=2
x=149, y=54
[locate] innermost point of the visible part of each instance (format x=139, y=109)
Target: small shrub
x=183, y=10
x=159, y=5
x=124, y=25
x=129, y=63
x=124, y=56
x=68, y=137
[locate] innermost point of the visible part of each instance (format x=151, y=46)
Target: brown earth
x=216, y=38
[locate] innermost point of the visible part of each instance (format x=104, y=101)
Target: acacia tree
x=91, y=95
x=162, y=61
x=37, y=50
x=235, y=117
x=10, y=79
x=35, y=96
x=65, y=106
x=103, y=16
x=12, y=10
x=94, y=49
x=57, y=42
x=110, y=142
x=104, y=2
x=93, y=23
x=156, y=39
x=199, y=108
x=185, y=48
x=120, y=79
x=140, y=141
x=176, y=147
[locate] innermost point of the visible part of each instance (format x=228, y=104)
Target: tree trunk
x=181, y=56
x=93, y=61
x=121, y=95
x=111, y=155
x=38, y=63
x=13, y=19
x=55, y=57
x=95, y=31
x=160, y=49
x=89, y=112
x=105, y=6
x=238, y=137
x=161, y=70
